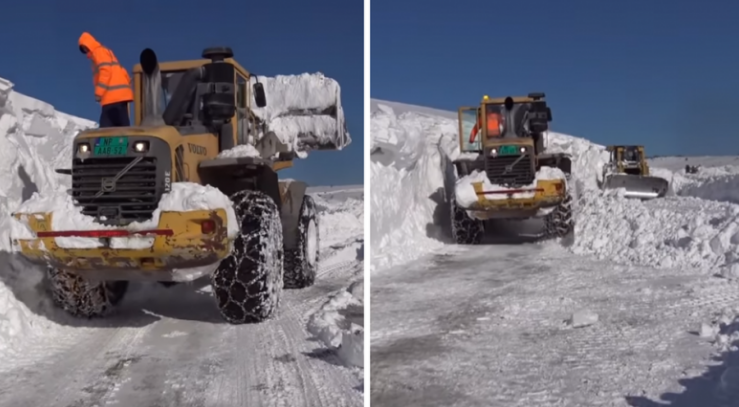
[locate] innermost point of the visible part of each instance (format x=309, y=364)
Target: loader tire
x=560, y=222
x=83, y=298
x=465, y=230
x=301, y=263
x=248, y=283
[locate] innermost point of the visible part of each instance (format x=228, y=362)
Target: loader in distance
x=627, y=168
x=502, y=170
x=119, y=175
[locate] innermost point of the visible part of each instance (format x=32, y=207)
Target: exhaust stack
x=152, y=86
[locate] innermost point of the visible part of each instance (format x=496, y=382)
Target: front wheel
x=465, y=230
x=560, y=222
x=82, y=298
x=248, y=283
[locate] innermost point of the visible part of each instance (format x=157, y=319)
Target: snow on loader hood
x=304, y=111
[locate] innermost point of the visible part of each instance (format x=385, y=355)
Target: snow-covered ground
x=655, y=282
x=166, y=346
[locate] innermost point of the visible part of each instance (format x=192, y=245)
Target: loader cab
x=212, y=96
x=504, y=118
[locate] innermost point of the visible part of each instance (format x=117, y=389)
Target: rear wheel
x=84, y=298
x=301, y=263
x=465, y=230
x=248, y=283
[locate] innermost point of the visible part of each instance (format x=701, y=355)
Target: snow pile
x=304, y=111
x=339, y=322
x=329, y=324
x=244, y=150
x=34, y=140
x=184, y=196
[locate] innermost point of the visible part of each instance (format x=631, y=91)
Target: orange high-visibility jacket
x=111, y=80
x=493, y=126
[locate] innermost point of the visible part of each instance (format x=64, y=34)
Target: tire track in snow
x=495, y=335
x=200, y=363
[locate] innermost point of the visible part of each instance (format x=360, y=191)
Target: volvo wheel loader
x=186, y=113
x=504, y=157
x=627, y=168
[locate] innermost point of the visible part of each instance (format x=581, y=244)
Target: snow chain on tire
x=83, y=298
x=299, y=272
x=465, y=230
x=248, y=283
x=560, y=222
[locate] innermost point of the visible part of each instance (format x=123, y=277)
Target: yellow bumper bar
x=181, y=240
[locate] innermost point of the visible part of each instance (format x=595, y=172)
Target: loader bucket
x=307, y=107
x=636, y=186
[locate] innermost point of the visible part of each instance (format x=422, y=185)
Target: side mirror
x=549, y=114
x=259, y=96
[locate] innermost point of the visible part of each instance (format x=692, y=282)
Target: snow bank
x=34, y=139
x=331, y=326
x=304, y=111
x=407, y=167
x=184, y=196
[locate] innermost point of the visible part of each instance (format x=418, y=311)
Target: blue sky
x=661, y=73
x=40, y=54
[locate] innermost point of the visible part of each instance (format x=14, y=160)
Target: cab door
x=467, y=121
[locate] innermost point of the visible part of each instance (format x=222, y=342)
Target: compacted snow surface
x=166, y=346
x=639, y=310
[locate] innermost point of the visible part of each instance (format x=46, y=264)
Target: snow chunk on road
x=244, y=150
x=582, y=318
x=184, y=196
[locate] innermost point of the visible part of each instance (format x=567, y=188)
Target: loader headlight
x=522, y=149
x=83, y=148
x=141, y=146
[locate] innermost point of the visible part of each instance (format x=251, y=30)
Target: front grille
x=521, y=174
x=135, y=197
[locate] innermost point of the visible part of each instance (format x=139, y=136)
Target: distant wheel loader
x=119, y=175
x=627, y=168
x=503, y=139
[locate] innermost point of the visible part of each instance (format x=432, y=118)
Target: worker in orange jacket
x=111, y=81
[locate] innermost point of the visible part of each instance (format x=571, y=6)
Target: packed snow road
x=488, y=326
x=170, y=346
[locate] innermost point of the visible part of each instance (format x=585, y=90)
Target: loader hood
x=88, y=41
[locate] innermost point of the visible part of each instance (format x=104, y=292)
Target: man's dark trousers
x=115, y=115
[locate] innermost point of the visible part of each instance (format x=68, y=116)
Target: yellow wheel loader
x=503, y=171
x=627, y=168
x=186, y=113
